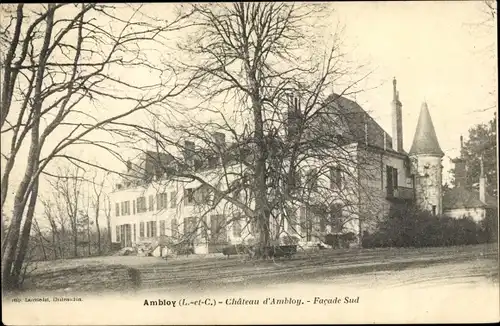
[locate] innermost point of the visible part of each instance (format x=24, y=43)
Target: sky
x=438, y=52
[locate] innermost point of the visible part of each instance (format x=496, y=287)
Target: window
x=154, y=229
x=151, y=229
x=141, y=204
x=161, y=201
x=204, y=228
x=335, y=177
x=135, y=233
x=218, y=229
x=174, y=226
x=433, y=209
x=117, y=209
x=117, y=233
x=173, y=199
x=133, y=205
x=188, y=197
x=185, y=228
x=237, y=227
x=305, y=224
x=295, y=181
x=203, y=195
x=151, y=203
x=254, y=226
x=338, y=176
x=141, y=230
x=312, y=179
x=192, y=226
x=391, y=179
x=292, y=223
x=162, y=228
x=125, y=207
x=336, y=218
x=322, y=224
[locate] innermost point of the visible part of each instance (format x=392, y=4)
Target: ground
x=102, y=273
x=454, y=284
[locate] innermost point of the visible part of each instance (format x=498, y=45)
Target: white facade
x=477, y=214
x=162, y=208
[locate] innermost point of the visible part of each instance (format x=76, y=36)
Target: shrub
x=409, y=227
x=489, y=227
x=289, y=240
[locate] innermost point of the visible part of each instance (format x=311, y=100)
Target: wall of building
x=429, y=179
x=362, y=199
x=374, y=201
x=477, y=214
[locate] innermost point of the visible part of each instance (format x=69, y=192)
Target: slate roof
x=461, y=197
x=425, y=140
x=353, y=118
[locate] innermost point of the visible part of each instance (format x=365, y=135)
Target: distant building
x=380, y=175
x=462, y=201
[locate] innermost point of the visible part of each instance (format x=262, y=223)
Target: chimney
x=482, y=183
x=189, y=152
x=293, y=113
x=397, y=120
x=461, y=146
x=460, y=168
x=129, y=166
x=220, y=139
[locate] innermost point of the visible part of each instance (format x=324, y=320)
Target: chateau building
x=378, y=174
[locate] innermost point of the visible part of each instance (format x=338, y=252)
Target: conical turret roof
x=425, y=140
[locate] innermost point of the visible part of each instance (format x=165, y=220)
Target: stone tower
x=426, y=156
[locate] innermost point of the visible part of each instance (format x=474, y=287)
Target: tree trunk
x=25, y=237
x=12, y=240
x=22, y=193
x=108, y=221
x=261, y=206
x=88, y=235
x=98, y=231
x=40, y=235
x=62, y=238
x=75, y=239
x=54, y=243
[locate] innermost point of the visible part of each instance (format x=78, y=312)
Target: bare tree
x=491, y=8
x=60, y=61
x=69, y=186
x=55, y=231
x=262, y=88
x=98, y=204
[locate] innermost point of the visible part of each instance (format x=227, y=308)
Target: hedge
x=410, y=227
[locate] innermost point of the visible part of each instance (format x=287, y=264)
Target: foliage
x=413, y=228
x=489, y=227
x=481, y=142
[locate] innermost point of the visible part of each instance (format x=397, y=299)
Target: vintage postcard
x=249, y=163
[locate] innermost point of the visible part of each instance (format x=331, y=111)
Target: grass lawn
x=114, y=272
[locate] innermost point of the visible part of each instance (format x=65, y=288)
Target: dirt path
x=460, y=291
